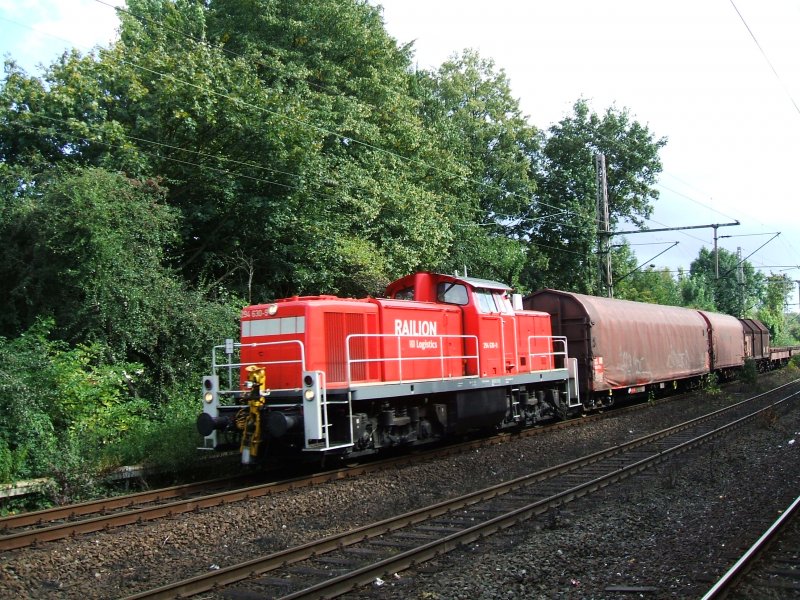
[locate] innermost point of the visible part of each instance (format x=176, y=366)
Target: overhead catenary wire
x=337, y=92
x=766, y=58
x=315, y=127
x=98, y=140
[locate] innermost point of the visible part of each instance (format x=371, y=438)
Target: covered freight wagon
x=623, y=345
x=726, y=343
x=756, y=340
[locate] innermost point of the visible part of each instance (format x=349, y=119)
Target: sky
x=720, y=79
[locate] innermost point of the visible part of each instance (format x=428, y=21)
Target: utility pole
x=739, y=277
x=604, y=237
x=797, y=281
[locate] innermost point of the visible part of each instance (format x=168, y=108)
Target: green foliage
x=749, y=373
x=697, y=292
x=61, y=405
x=709, y=384
x=642, y=285
x=777, y=290
x=738, y=287
x=252, y=150
x=95, y=246
x=565, y=228
x=468, y=104
x=30, y=442
x=167, y=440
x=793, y=328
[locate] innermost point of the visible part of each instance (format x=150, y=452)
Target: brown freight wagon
x=727, y=342
x=756, y=340
x=627, y=347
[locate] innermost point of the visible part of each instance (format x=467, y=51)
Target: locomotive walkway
x=338, y=564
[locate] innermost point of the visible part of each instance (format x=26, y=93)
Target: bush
x=62, y=405
x=749, y=373
x=710, y=384
x=167, y=442
x=27, y=395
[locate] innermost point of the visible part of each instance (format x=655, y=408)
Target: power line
x=766, y=58
x=79, y=137
x=711, y=208
x=301, y=122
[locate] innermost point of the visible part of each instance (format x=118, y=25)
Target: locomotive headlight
x=272, y=309
x=210, y=389
x=308, y=395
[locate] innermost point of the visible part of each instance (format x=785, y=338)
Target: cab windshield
x=492, y=301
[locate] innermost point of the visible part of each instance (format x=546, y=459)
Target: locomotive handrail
x=237, y=365
x=441, y=357
x=555, y=339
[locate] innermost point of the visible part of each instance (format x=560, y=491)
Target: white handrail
x=441, y=356
x=555, y=339
x=237, y=365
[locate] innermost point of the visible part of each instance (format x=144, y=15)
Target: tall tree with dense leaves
x=777, y=289
x=739, y=287
x=286, y=134
x=469, y=104
x=91, y=252
x=566, y=224
x=697, y=291
x=366, y=210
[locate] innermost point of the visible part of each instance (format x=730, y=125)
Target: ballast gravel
x=660, y=534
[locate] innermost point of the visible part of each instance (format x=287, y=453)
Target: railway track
x=340, y=563
x=17, y=531
x=770, y=568
x=25, y=529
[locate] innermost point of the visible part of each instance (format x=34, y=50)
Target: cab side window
x=503, y=302
x=452, y=293
x=405, y=294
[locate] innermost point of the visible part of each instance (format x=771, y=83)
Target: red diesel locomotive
x=441, y=355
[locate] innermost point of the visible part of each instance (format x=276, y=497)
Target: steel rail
x=72, y=511
x=399, y=562
x=729, y=580
x=403, y=560
x=58, y=531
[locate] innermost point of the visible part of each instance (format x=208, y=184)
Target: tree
x=739, y=287
x=771, y=312
x=793, y=328
x=631, y=282
x=286, y=134
x=697, y=291
x=91, y=253
x=565, y=222
x=468, y=105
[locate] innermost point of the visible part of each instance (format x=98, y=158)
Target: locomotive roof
x=484, y=283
